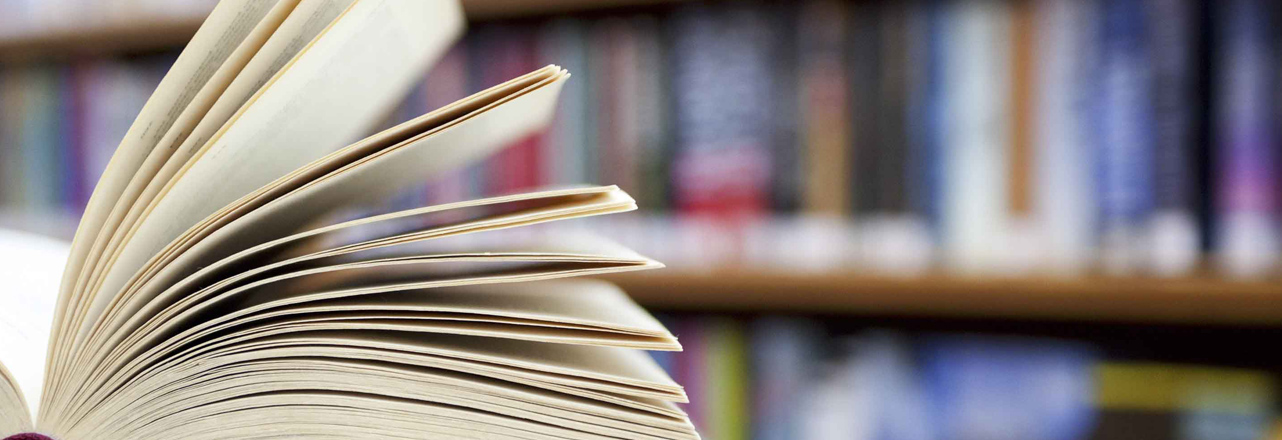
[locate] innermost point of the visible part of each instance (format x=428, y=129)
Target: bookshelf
x=1194, y=299
x=1188, y=300
x=162, y=33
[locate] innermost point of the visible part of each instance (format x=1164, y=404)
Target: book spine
x=1023, y=231
x=691, y=370
x=933, y=113
x=721, y=82
x=40, y=140
x=615, y=103
x=784, y=353
x=1172, y=34
x=1064, y=151
x=968, y=375
x=787, y=155
x=977, y=136
x=1127, y=126
x=76, y=151
x=894, y=236
x=891, y=110
x=654, y=134
x=825, y=133
x=863, y=57
x=727, y=375
x=1246, y=143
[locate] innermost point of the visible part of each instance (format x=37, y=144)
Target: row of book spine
x=786, y=378
x=1128, y=137
x=61, y=123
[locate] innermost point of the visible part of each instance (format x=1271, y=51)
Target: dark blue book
x=1172, y=38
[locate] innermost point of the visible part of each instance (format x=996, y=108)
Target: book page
x=372, y=232
x=354, y=236
x=14, y=415
x=303, y=24
x=213, y=42
x=30, y=268
x=122, y=216
x=431, y=385
x=504, y=113
x=322, y=101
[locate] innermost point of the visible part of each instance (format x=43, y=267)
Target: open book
x=213, y=290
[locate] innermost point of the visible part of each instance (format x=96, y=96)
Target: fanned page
x=219, y=285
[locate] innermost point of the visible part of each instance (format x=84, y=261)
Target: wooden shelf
x=1197, y=300
x=115, y=38
x=155, y=35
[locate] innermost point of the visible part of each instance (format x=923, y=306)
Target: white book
x=1065, y=202
x=976, y=135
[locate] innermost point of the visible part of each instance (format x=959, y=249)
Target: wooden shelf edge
x=116, y=38
x=1146, y=300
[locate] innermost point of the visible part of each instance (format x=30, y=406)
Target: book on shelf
x=1245, y=164
x=1007, y=165
x=219, y=285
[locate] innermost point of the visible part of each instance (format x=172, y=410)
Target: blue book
x=1126, y=159
x=1009, y=389
x=785, y=355
x=927, y=107
x=41, y=140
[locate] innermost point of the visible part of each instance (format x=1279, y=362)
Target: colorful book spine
x=823, y=95
x=721, y=83
x=691, y=369
x=615, y=46
x=727, y=410
x=1150, y=400
x=1126, y=161
x=1023, y=245
x=1246, y=181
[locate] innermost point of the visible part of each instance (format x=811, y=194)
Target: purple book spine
x=1246, y=156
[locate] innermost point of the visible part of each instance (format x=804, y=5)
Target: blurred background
x=930, y=219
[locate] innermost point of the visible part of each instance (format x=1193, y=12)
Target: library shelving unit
x=1194, y=299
